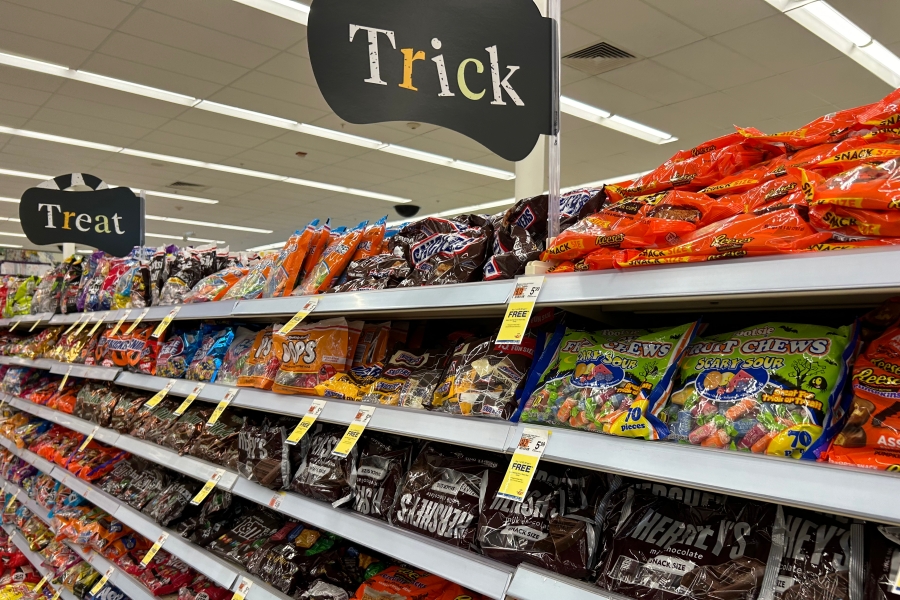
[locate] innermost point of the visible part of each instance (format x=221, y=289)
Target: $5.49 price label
x=519, y=309
x=190, y=399
x=165, y=323
x=306, y=422
x=158, y=396
x=354, y=431
x=523, y=464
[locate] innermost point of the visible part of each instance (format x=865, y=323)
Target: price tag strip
x=34, y=325
x=301, y=314
x=519, y=308
x=190, y=399
x=137, y=320
x=158, y=396
x=221, y=406
x=97, y=324
x=102, y=581
x=74, y=323
x=120, y=323
x=11, y=500
x=40, y=584
x=88, y=439
x=16, y=324
x=276, y=500
x=351, y=436
x=83, y=324
x=56, y=595
x=243, y=589
x=315, y=409
x=165, y=322
x=523, y=464
x=208, y=487
x=65, y=378
x=154, y=549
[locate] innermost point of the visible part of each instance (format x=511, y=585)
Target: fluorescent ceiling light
x=10, y=219
x=205, y=165
x=10, y=200
x=607, y=119
x=178, y=237
x=24, y=174
x=206, y=224
x=10, y=246
x=830, y=25
x=418, y=154
x=240, y=113
x=285, y=9
x=11, y=234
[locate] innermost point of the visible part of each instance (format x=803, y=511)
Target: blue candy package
x=214, y=342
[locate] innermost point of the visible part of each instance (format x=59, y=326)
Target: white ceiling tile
x=40, y=49
x=377, y=131
x=632, y=26
x=282, y=89
x=132, y=106
x=612, y=98
x=301, y=48
x=878, y=18
x=777, y=96
x=15, y=93
x=289, y=66
x=251, y=100
x=105, y=13
x=183, y=147
x=711, y=17
x=105, y=111
x=94, y=128
x=198, y=40
x=228, y=139
x=8, y=120
x=569, y=75
x=575, y=38
x=18, y=109
x=114, y=66
x=858, y=86
x=46, y=26
x=713, y=64
x=170, y=59
x=654, y=81
x=29, y=79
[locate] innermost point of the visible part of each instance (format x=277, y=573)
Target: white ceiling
x=705, y=66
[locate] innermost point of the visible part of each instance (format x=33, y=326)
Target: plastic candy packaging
x=405, y=583
x=383, y=460
x=370, y=244
x=176, y=354
x=861, y=201
x=215, y=286
x=442, y=251
x=186, y=271
x=770, y=389
x=251, y=285
x=262, y=363
x=333, y=262
x=310, y=354
x=832, y=127
x=316, y=247
x=321, y=474
x=287, y=264
x=214, y=342
x=236, y=356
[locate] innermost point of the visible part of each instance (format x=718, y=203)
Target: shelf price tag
x=119, y=323
x=16, y=324
x=165, y=322
x=519, y=308
x=102, y=581
x=315, y=409
x=301, y=314
x=221, y=406
x=56, y=595
x=11, y=500
x=137, y=320
x=351, y=436
x=65, y=378
x=154, y=549
x=523, y=464
x=97, y=324
x=75, y=323
x=40, y=584
x=208, y=486
x=190, y=399
x=158, y=396
x=88, y=439
x=243, y=589
x=83, y=324
x=276, y=500
x=35, y=324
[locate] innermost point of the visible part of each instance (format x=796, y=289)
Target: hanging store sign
x=480, y=68
x=109, y=219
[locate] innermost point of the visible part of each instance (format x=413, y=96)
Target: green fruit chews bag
x=618, y=384
x=769, y=389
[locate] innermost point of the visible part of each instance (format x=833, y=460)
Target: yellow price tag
x=301, y=314
x=315, y=409
x=191, y=397
x=56, y=595
x=243, y=589
x=75, y=323
x=154, y=549
x=208, y=486
x=221, y=406
x=84, y=322
x=16, y=324
x=35, y=324
x=88, y=439
x=65, y=378
x=11, y=500
x=137, y=320
x=523, y=464
x=119, y=324
x=97, y=324
x=102, y=581
x=158, y=396
x=165, y=322
x=518, y=310
x=40, y=584
x=354, y=431
x=276, y=499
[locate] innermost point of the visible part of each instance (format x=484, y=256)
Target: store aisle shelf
x=85, y=371
x=466, y=568
x=106, y=436
x=211, y=392
x=531, y=583
x=119, y=578
x=21, y=496
x=36, y=560
x=36, y=363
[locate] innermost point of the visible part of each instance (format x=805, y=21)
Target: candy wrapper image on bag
x=771, y=389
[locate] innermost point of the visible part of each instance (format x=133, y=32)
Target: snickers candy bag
x=321, y=474
x=823, y=554
x=444, y=251
x=660, y=548
x=537, y=530
x=442, y=493
x=383, y=462
x=531, y=213
x=883, y=568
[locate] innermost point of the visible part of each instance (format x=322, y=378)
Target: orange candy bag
x=755, y=234
x=795, y=187
x=638, y=223
x=826, y=129
x=317, y=246
x=843, y=159
x=310, y=354
x=406, y=583
x=371, y=241
x=871, y=436
x=262, y=363
x=333, y=262
x=862, y=201
x=286, y=266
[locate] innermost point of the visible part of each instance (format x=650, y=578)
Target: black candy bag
x=383, y=461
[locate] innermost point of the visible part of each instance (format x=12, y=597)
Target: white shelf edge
x=85, y=371
x=35, y=559
x=532, y=583
x=466, y=568
x=122, y=580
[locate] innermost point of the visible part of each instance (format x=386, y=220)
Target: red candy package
x=826, y=129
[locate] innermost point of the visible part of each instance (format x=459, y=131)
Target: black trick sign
x=109, y=219
x=479, y=67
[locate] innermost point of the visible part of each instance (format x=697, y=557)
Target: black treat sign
x=111, y=220
x=479, y=68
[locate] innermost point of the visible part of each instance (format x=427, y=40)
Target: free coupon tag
x=523, y=464
x=306, y=422
x=301, y=314
x=354, y=431
x=518, y=311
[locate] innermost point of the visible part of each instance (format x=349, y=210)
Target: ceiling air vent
x=188, y=186
x=598, y=58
